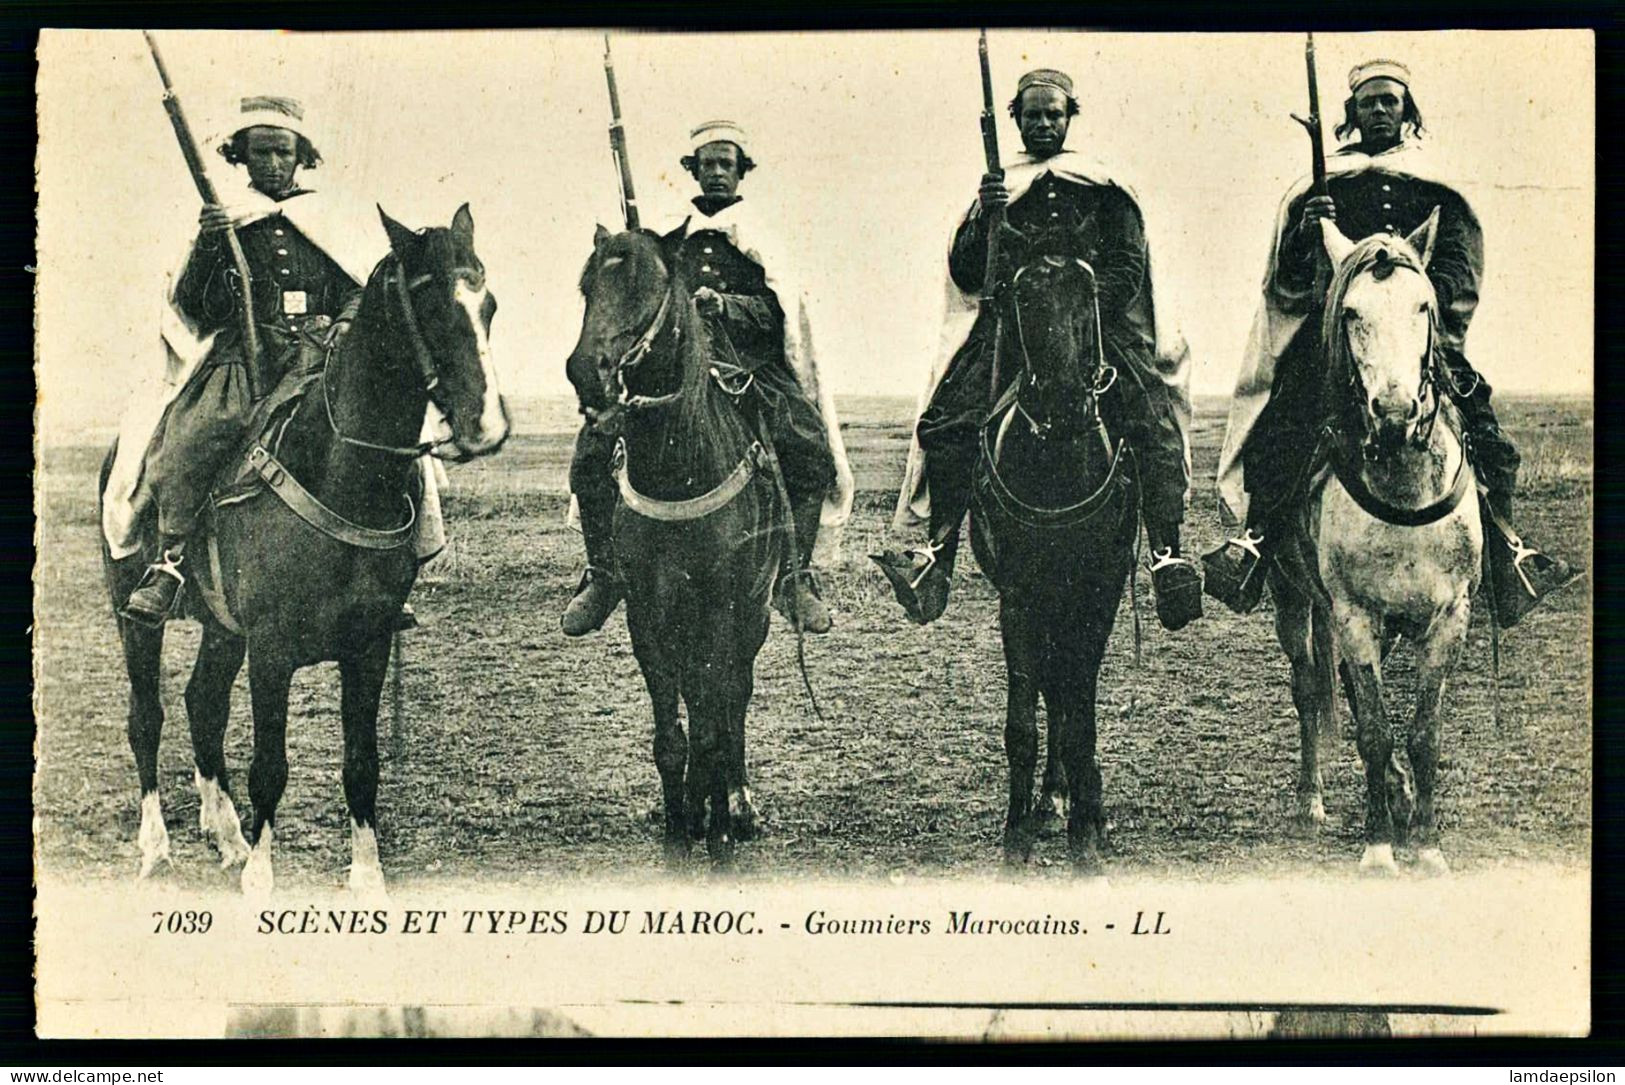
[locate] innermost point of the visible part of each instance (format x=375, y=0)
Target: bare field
x=521, y=754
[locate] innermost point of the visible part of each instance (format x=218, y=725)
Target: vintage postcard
x=1028, y=535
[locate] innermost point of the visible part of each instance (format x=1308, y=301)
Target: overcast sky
x=869, y=151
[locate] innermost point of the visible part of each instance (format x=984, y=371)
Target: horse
x=319, y=572
x=1053, y=521
x=701, y=527
x=1390, y=543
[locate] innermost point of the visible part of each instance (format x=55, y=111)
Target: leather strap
x=304, y=505
x=1394, y=514
x=215, y=597
x=1056, y=517
x=691, y=508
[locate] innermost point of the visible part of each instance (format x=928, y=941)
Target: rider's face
x=716, y=167
x=272, y=157
x=1378, y=107
x=1041, y=116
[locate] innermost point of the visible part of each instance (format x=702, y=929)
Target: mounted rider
x=1383, y=183
x=306, y=262
x=1059, y=204
x=740, y=290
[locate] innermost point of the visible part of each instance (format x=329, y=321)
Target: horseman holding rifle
x=305, y=261
x=1056, y=204
x=1382, y=183
x=758, y=324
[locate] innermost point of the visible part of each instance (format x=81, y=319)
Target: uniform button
x=722, y=286
x=706, y=268
x=1052, y=195
x=282, y=271
x=282, y=252
x=1387, y=207
x=278, y=233
x=1390, y=228
x=706, y=250
x=1387, y=188
x=1054, y=214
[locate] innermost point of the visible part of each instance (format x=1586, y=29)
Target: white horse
x=1391, y=543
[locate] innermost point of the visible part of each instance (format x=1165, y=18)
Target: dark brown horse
x=1053, y=525
x=700, y=529
x=322, y=576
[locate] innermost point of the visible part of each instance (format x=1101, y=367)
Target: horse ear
x=1421, y=239
x=400, y=238
x=599, y=236
x=678, y=234
x=1338, y=246
x=462, y=225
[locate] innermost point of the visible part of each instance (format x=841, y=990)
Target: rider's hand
x=213, y=218
x=707, y=302
x=992, y=193
x=1315, y=209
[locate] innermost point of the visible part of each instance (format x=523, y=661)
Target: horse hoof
x=1378, y=861
x=153, y=865
x=232, y=852
x=742, y=816
x=1432, y=862
x=368, y=882
x=256, y=880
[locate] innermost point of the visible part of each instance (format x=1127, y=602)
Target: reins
x=397, y=288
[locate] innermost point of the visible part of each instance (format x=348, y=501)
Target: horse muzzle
x=489, y=434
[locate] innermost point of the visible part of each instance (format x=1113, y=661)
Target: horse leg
x=1305, y=637
x=361, y=678
x=208, y=709
x=1078, y=652
x=268, y=682
x=1020, y=727
x=143, y=657
x=706, y=697
x=741, y=809
x=671, y=758
x=1052, y=802
x=1360, y=644
x=1440, y=651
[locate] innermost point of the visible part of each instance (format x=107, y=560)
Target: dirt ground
x=521, y=755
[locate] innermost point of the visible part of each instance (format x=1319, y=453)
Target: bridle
x=635, y=355
x=1105, y=375
x=400, y=291
x=1433, y=373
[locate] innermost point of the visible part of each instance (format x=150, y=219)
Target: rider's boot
x=797, y=594
x=600, y=591
x=921, y=576
x=1236, y=571
x=154, y=597
x=1174, y=578
x=1520, y=576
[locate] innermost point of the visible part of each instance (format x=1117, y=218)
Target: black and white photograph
x=994, y=535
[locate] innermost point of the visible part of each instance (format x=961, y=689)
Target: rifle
x=205, y=189
x=1317, y=155
x=617, y=143
x=1311, y=123
x=995, y=217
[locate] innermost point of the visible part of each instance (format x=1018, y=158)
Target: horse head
x=1053, y=322
x=1379, y=329
x=632, y=301
x=443, y=309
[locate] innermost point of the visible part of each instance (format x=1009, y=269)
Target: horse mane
x=1381, y=255
x=707, y=432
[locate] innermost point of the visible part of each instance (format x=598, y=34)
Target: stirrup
x=1248, y=540
x=1163, y=556
x=1521, y=554
x=929, y=552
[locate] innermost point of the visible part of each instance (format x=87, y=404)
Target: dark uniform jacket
x=1102, y=225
